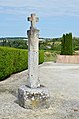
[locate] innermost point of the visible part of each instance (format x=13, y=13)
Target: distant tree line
x=16, y=43
x=50, y=44
x=56, y=43
x=44, y=43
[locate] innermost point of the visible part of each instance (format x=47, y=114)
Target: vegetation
x=50, y=55
x=67, y=44
x=14, y=60
x=15, y=43
x=51, y=46
x=75, y=43
x=41, y=56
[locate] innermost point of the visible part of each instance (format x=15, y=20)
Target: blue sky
x=55, y=17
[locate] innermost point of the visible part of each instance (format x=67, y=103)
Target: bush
x=14, y=60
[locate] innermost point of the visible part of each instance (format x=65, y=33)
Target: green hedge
x=14, y=60
x=41, y=56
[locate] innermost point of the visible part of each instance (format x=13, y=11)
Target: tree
x=67, y=44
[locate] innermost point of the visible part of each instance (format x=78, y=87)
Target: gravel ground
x=62, y=80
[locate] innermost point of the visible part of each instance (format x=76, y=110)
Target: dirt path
x=62, y=80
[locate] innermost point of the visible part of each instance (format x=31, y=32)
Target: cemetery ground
x=62, y=81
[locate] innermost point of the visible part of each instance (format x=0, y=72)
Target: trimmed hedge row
x=41, y=56
x=14, y=60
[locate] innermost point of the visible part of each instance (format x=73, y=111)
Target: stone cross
x=33, y=33
x=33, y=95
x=33, y=20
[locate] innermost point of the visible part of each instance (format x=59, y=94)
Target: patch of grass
x=50, y=55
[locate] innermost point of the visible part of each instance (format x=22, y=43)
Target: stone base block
x=33, y=98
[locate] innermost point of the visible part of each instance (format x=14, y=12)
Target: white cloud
x=42, y=7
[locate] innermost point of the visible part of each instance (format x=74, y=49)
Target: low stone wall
x=68, y=59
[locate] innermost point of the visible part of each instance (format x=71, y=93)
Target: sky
x=56, y=17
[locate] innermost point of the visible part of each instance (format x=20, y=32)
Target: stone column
x=33, y=95
x=33, y=78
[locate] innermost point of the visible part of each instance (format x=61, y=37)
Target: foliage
x=43, y=45
x=56, y=46
x=41, y=56
x=75, y=43
x=14, y=60
x=18, y=43
x=50, y=44
x=67, y=44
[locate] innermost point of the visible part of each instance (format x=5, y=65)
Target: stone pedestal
x=33, y=98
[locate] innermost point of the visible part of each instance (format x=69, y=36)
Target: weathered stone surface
x=33, y=78
x=33, y=40
x=33, y=98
